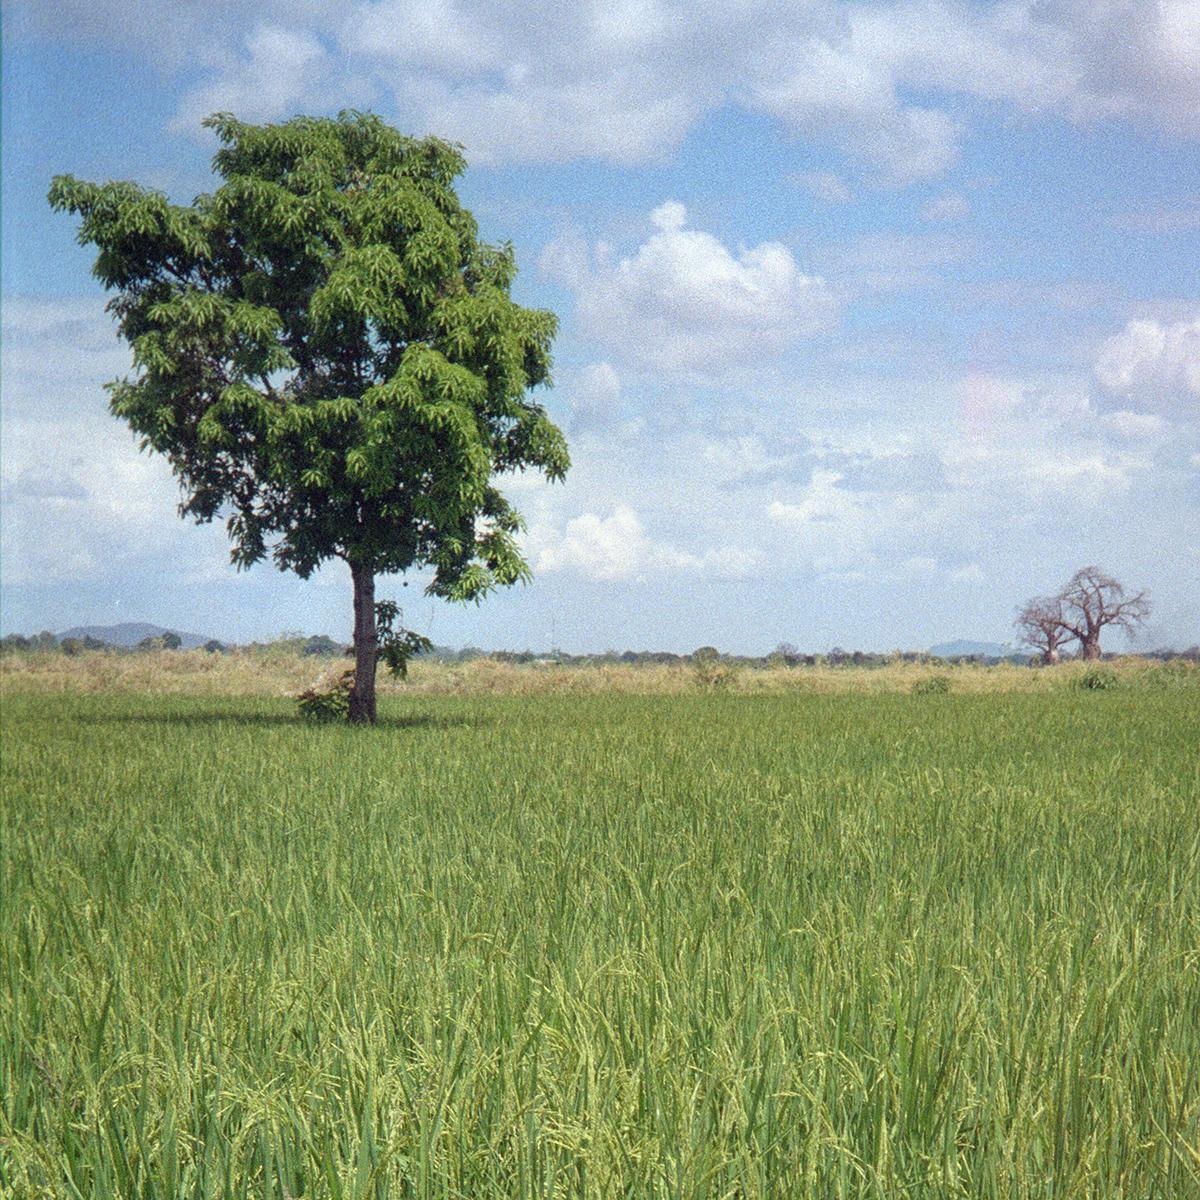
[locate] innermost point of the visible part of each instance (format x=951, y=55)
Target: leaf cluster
x=325, y=351
x=396, y=644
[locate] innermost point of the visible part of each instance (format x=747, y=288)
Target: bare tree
x=1094, y=600
x=1040, y=625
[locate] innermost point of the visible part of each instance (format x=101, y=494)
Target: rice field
x=571, y=943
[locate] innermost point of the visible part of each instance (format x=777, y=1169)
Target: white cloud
x=684, y=303
x=574, y=80
x=862, y=117
x=617, y=547
x=971, y=573
x=1024, y=450
x=280, y=72
x=78, y=497
x=822, y=501
x=1134, y=61
x=1155, y=365
x=58, y=354
x=624, y=80
x=630, y=25
x=832, y=530
x=624, y=118
x=1136, y=427
x=436, y=34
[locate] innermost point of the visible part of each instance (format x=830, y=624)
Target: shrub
x=709, y=672
x=1098, y=679
x=328, y=699
x=931, y=685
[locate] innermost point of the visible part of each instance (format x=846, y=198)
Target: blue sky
x=876, y=318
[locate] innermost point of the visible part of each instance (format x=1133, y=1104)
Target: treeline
x=781, y=656
x=15, y=643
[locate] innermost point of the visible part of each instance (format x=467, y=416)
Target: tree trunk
x=366, y=646
x=1091, y=648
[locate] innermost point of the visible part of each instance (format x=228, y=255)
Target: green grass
x=598, y=946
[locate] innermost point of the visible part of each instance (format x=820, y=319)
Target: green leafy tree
x=330, y=359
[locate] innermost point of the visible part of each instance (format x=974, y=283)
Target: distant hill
x=965, y=649
x=131, y=633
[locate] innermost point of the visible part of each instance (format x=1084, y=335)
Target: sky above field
x=876, y=318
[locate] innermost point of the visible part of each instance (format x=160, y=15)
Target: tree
x=1040, y=625
x=329, y=357
x=1092, y=601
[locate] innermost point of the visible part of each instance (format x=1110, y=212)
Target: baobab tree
x=1091, y=601
x=1040, y=625
x=1094, y=600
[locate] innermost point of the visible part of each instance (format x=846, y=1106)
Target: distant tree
x=172, y=641
x=1093, y=601
x=708, y=670
x=786, y=653
x=329, y=356
x=1039, y=624
x=1089, y=603
x=320, y=644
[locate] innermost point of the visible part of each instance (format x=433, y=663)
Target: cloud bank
x=684, y=303
x=623, y=82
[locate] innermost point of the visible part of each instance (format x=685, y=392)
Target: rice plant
x=687, y=945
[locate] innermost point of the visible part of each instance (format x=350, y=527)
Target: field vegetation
x=600, y=932
x=288, y=666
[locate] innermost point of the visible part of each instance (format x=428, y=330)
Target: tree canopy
x=329, y=356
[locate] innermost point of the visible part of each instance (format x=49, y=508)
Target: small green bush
x=932, y=685
x=1098, y=679
x=709, y=672
x=326, y=701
